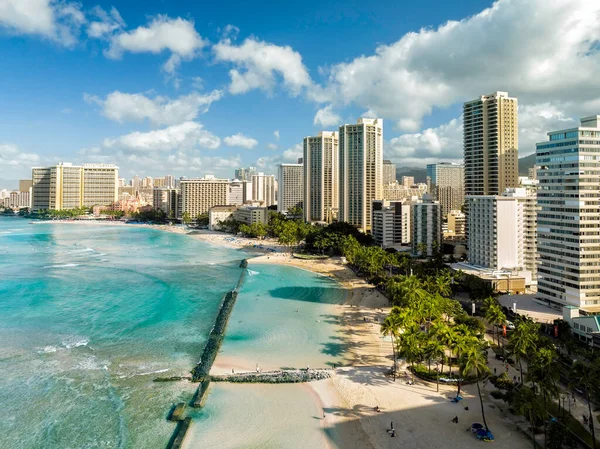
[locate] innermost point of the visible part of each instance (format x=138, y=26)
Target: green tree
x=185, y=218
x=475, y=363
x=523, y=341
x=584, y=376
x=202, y=220
x=409, y=347
x=526, y=403
x=495, y=317
x=560, y=437
x=543, y=374
x=391, y=327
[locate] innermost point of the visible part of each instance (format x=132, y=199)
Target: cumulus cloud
x=258, y=64
x=239, y=140
x=178, y=36
x=107, y=22
x=276, y=134
x=59, y=21
x=187, y=135
x=16, y=163
x=269, y=163
x=121, y=107
x=553, y=54
x=326, y=117
x=272, y=146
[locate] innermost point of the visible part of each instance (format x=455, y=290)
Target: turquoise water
x=90, y=314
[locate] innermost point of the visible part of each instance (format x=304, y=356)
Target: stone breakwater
x=276, y=377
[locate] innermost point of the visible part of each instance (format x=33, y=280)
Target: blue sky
x=191, y=88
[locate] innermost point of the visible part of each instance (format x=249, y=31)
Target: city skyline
x=117, y=89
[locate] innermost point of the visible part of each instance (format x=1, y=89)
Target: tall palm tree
x=474, y=363
x=412, y=290
x=584, y=377
x=441, y=331
x=527, y=403
x=543, y=374
x=495, y=317
x=523, y=341
x=409, y=347
x=391, y=327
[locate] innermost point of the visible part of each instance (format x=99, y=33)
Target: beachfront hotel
x=491, y=142
x=568, y=225
x=290, y=190
x=445, y=182
x=199, y=195
x=68, y=186
x=360, y=171
x=321, y=193
x=263, y=189
x=168, y=200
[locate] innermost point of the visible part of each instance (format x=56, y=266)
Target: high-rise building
x=426, y=226
x=245, y=174
x=389, y=172
x=199, y=195
x=456, y=225
x=491, y=142
x=445, y=182
x=168, y=200
x=25, y=185
x=320, y=160
x=527, y=196
x=136, y=183
x=396, y=191
x=263, y=189
x=16, y=200
x=290, y=191
x=391, y=223
x=360, y=171
x=67, y=186
x=408, y=181
x=568, y=226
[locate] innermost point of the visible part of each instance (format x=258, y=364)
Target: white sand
x=422, y=417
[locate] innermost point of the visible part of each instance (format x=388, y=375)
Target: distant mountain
x=420, y=174
x=525, y=163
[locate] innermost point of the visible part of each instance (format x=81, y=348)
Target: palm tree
x=409, y=346
x=523, y=341
x=474, y=363
x=584, y=377
x=543, y=374
x=495, y=317
x=528, y=404
x=412, y=290
x=390, y=327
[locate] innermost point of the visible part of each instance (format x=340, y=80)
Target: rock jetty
x=275, y=377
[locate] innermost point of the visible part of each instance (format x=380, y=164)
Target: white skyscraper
x=321, y=194
x=263, y=189
x=360, y=171
x=426, y=225
x=568, y=226
x=290, y=186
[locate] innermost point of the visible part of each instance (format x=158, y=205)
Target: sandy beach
x=421, y=416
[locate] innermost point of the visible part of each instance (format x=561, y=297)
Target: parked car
x=510, y=325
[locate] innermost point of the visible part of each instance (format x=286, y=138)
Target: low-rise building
x=583, y=327
x=426, y=226
x=456, y=225
x=252, y=214
x=219, y=214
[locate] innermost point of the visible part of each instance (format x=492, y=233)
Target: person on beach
x=455, y=420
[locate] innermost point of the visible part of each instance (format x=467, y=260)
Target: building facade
x=491, y=142
x=360, y=171
x=199, y=195
x=67, y=186
x=168, y=200
x=252, y=214
x=263, y=189
x=456, y=225
x=389, y=172
x=219, y=214
x=408, y=181
x=426, y=226
x=320, y=160
x=568, y=224
x=245, y=174
x=396, y=192
x=290, y=193
x=25, y=185
x=391, y=223
x=445, y=182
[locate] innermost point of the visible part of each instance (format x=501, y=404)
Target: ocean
x=91, y=314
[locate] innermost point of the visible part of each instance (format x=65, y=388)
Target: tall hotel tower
x=568, y=226
x=361, y=171
x=491, y=144
x=321, y=176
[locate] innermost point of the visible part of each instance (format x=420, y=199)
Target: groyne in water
x=276, y=377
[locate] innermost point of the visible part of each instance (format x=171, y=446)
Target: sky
x=192, y=88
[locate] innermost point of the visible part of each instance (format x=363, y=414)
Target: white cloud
x=107, y=23
x=553, y=54
x=122, y=107
x=258, y=64
x=59, y=21
x=276, y=134
x=269, y=163
x=16, y=163
x=186, y=135
x=239, y=140
x=326, y=117
x=272, y=146
x=178, y=36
